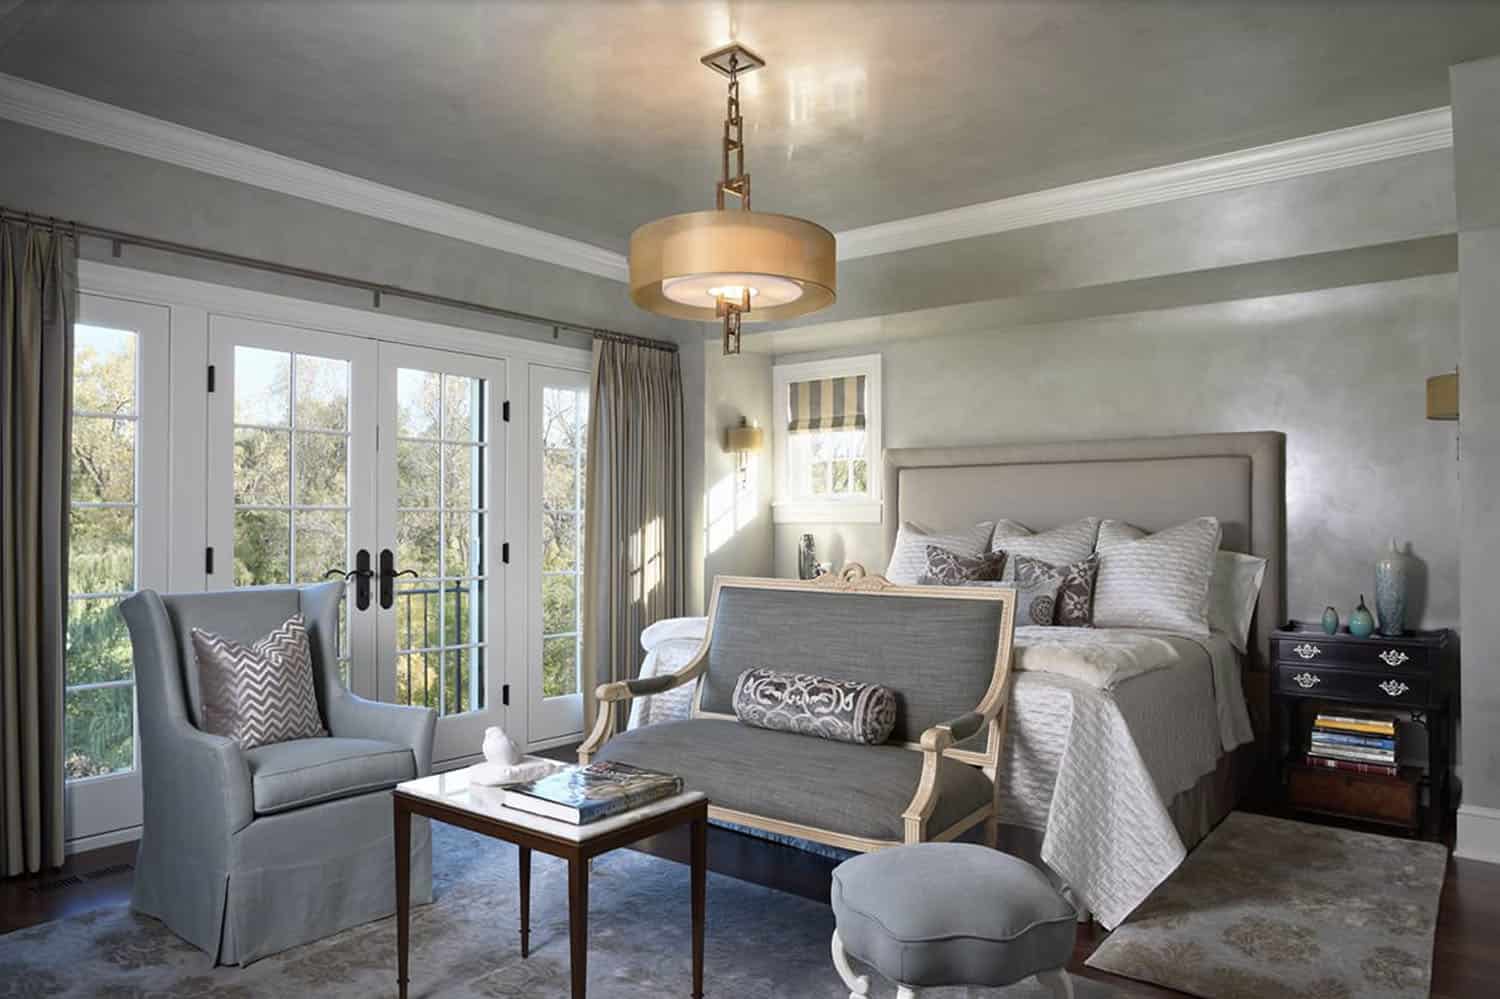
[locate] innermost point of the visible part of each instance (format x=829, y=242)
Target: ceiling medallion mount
x=732, y=264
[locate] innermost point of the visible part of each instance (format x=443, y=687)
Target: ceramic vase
x=1330, y=621
x=1361, y=621
x=1391, y=575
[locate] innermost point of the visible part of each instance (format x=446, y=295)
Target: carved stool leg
x=992, y=832
x=859, y=985
x=1057, y=982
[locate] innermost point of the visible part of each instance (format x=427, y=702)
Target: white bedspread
x=1093, y=767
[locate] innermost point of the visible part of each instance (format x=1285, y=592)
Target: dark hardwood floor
x=1466, y=959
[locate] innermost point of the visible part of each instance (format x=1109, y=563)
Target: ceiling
x=586, y=119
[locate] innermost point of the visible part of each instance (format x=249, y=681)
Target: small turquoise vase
x=1330, y=621
x=1361, y=621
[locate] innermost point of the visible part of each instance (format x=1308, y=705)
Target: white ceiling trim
x=94, y=121
x=58, y=111
x=1346, y=147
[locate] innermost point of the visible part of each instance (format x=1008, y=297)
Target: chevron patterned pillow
x=260, y=694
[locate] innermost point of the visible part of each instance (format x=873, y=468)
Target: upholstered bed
x=1109, y=786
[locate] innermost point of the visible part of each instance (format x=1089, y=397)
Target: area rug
x=760, y=943
x=1266, y=908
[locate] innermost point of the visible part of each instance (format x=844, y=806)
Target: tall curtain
x=634, y=552
x=38, y=303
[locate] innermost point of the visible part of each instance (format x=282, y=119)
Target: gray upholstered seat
x=302, y=772
x=247, y=853
x=937, y=914
x=849, y=789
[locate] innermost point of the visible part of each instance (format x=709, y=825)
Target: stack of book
x=1357, y=743
x=584, y=794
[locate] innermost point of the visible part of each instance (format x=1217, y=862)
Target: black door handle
x=388, y=576
x=361, y=574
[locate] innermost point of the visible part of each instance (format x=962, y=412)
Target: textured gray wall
x=1476, y=126
x=737, y=519
x=1340, y=371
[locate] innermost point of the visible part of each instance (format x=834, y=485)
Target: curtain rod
x=121, y=239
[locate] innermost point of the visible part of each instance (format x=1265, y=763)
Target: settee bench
x=944, y=651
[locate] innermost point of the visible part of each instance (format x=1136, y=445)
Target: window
x=827, y=426
x=564, y=433
x=100, y=693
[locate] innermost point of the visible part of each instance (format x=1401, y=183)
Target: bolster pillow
x=842, y=710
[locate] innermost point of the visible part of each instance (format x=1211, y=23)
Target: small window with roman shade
x=826, y=449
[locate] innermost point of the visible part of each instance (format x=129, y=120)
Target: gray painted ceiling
x=589, y=118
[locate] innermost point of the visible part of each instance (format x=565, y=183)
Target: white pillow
x=1232, y=595
x=1156, y=581
x=909, y=557
x=1060, y=546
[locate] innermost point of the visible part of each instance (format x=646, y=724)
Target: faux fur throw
x=1099, y=657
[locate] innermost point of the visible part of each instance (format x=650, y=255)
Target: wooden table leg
x=525, y=852
x=403, y=894
x=700, y=900
x=578, y=923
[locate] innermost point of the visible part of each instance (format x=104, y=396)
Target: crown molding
x=93, y=121
x=1388, y=139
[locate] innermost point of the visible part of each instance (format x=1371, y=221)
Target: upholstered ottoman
x=938, y=914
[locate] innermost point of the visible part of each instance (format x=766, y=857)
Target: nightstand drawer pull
x=1393, y=657
x=1307, y=650
x=1395, y=688
x=1307, y=680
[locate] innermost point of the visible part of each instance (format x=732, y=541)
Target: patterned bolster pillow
x=842, y=710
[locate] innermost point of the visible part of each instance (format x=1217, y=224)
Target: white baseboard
x=114, y=837
x=1478, y=834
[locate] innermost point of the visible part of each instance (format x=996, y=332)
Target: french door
x=331, y=456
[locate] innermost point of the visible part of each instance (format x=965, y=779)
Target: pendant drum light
x=732, y=264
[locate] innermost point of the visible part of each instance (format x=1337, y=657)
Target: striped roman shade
x=826, y=404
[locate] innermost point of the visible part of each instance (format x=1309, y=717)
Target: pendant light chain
x=739, y=186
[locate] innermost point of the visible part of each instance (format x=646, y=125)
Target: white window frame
x=789, y=509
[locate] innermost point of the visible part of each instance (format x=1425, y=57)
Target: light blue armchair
x=246, y=853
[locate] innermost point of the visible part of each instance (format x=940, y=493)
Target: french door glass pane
x=291, y=466
x=564, y=434
x=99, y=694
x=441, y=525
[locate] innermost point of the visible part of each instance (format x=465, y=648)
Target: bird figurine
x=500, y=748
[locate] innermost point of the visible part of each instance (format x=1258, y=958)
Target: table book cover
x=583, y=794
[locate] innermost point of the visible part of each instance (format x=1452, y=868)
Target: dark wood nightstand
x=1407, y=677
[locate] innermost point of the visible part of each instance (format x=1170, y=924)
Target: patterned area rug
x=1267, y=908
x=760, y=943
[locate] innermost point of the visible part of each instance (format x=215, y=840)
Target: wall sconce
x=745, y=440
x=1442, y=397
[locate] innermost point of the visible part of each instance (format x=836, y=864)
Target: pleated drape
x=38, y=304
x=634, y=517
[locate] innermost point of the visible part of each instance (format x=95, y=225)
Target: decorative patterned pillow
x=909, y=556
x=1075, y=598
x=1038, y=585
x=950, y=568
x=260, y=694
x=842, y=710
x=1059, y=546
x=1156, y=581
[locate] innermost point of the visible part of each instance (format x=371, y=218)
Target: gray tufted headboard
x=1152, y=482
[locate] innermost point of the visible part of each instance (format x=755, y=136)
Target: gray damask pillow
x=1037, y=585
x=1075, y=597
x=949, y=568
x=841, y=710
x=260, y=694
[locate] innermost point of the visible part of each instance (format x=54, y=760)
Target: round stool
x=937, y=914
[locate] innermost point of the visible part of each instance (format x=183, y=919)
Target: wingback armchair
x=246, y=853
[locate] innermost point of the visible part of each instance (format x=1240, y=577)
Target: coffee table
x=452, y=799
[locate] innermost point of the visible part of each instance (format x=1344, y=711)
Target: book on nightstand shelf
x=584, y=794
x=1356, y=743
